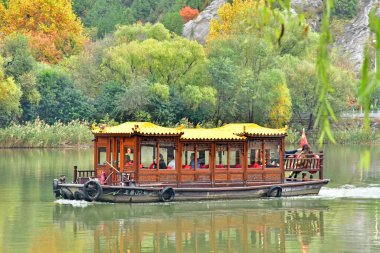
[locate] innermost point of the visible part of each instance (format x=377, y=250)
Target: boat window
x=128, y=156
x=221, y=155
x=236, y=156
x=196, y=156
x=148, y=153
x=254, y=154
x=203, y=156
x=272, y=153
x=102, y=151
x=167, y=154
x=188, y=156
x=157, y=154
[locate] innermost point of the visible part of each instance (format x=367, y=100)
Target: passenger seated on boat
x=192, y=161
x=268, y=161
x=304, y=161
x=128, y=161
x=255, y=165
x=162, y=163
x=153, y=165
x=171, y=164
x=304, y=158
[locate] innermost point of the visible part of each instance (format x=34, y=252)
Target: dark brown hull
x=126, y=194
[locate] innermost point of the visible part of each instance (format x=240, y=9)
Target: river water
x=344, y=217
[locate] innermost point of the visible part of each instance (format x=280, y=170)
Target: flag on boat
x=303, y=138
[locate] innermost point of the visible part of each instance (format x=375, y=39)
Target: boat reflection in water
x=235, y=226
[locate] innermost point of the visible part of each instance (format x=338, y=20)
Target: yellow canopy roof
x=235, y=131
x=144, y=128
x=208, y=134
x=251, y=129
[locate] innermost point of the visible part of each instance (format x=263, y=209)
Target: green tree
x=345, y=9
x=20, y=64
x=142, y=9
x=10, y=95
x=142, y=32
x=105, y=15
x=107, y=100
x=175, y=62
x=301, y=75
x=61, y=101
x=173, y=22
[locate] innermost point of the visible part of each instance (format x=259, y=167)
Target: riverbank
x=38, y=134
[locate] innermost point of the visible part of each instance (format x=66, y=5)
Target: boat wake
x=350, y=191
x=75, y=203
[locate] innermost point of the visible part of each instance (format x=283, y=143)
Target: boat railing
x=80, y=176
x=312, y=165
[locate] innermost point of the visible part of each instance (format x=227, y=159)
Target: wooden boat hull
x=127, y=194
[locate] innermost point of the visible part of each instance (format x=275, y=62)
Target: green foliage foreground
x=38, y=134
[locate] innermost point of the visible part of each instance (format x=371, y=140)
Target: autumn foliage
x=230, y=14
x=187, y=13
x=51, y=25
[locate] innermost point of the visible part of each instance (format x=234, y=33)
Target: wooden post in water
x=321, y=165
x=75, y=174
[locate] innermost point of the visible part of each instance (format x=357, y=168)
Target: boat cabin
x=231, y=155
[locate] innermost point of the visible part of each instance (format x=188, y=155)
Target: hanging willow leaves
x=367, y=85
x=325, y=112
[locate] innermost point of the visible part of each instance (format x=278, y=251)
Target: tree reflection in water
x=196, y=227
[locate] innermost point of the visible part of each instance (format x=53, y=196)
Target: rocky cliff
x=352, y=41
x=198, y=28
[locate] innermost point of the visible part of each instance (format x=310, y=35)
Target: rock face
x=356, y=35
x=199, y=28
x=315, y=6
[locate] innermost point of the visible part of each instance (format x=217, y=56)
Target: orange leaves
x=187, y=13
x=51, y=25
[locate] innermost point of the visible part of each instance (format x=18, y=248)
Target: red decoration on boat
x=303, y=138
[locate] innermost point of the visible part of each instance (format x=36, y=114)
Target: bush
x=173, y=22
x=345, y=9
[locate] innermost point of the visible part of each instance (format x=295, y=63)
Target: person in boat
x=192, y=164
x=304, y=161
x=171, y=164
x=257, y=165
x=269, y=163
x=128, y=161
x=292, y=153
x=162, y=162
x=153, y=165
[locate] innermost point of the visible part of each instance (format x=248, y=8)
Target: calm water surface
x=345, y=216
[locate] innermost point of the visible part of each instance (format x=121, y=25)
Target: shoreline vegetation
x=39, y=134
x=77, y=134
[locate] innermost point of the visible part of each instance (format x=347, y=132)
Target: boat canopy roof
x=234, y=131
x=252, y=129
x=142, y=128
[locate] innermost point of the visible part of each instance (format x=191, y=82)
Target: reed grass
x=354, y=135
x=39, y=134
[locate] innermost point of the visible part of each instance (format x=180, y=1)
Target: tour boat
x=138, y=162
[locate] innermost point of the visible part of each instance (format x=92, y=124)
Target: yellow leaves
x=52, y=26
x=2, y=13
x=230, y=15
x=281, y=112
x=10, y=94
